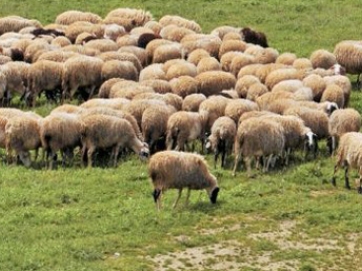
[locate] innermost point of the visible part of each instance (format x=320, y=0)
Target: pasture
x=104, y=218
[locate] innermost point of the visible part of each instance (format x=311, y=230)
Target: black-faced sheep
x=252, y=36
x=172, y=169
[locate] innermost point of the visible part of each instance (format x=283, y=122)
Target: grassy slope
x=76, y=219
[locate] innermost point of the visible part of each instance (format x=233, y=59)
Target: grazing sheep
x=153, y=71
x=317, y=84
x=208, y=64
x=302, y=63
x=286, y=58
x=343, y=82
x=279, y=75
x=221, y=139
x=175, y=33
x=342, y=121
x=258, y=138
x=158, y=85
x=181, y=22
x=119, y=69
x=184, y=86
x=82, y=71
x=71, y=16
x=210, y=43
x=180, y=68
x=240, y=61
x=107, y=56
x=183, y=127
x=327, y=107
x=22, y=135
x=166, y=52
x=102, y=131
x=192, y=102
x=154, y=126
x=76, y=28
x=252, y=36
x=213, y=82
x=231, y=45
x=67, y=108
x=256, y=90
x=322, y=59
x=103, y=45
x=128, y=89
x=349, y=155
x=128, y=17
x=154, y=26
x=172, y=169
x=45, y=76
x=333, y=93
x=15, y=23
x=224, y=30
x=140, y=53
x=349, y=54
x=236, y=108
x=115, y=103
x=60, y=132
x=196, y=55
x=243, y=84
x=228, y=58
x=106, y=86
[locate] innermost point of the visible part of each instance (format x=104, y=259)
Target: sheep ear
x=214, y=195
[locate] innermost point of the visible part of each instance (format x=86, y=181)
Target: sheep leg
x=89, y=155
x=236, y=161
x=188, y=196
x=178, y=197
x=333, y=180
x=216, y=156
x=247, y=161
x=157, y=193
x=115, y=153
x=346, y=179
x=267, y=164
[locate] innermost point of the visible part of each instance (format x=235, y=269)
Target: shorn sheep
x=349, y=155
x=179, y=170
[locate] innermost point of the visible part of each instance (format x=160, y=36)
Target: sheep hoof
x=333, y=181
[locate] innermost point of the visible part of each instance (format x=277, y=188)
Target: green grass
x=105, y=218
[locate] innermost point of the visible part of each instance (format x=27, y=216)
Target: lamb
x=192, y=102
x=213, y=82
x=60, y=132
x=82, y=71
x=101, y=131
x=221, y=139
x=22, y=135
x=183, y=127
x=349, y=155
x=172, y=169
x=349, y=54
x=154, y=126
x=259, y=138
x=43, y=75
x=342, y=121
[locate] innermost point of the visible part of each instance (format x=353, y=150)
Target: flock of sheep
x=154, y=87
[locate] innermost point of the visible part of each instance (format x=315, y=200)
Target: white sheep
x=172, y=169
x=119, y=69
x=181, y=22
x=192, y=102
x=102, y=131
x=159, y=86
x=322, y=59
x=184, y=86
x=213, y=82
x=221, y=139
x=70, y=16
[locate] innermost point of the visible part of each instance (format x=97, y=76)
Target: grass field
x=105, y=218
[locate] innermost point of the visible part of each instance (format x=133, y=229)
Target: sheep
x=348, y=54
x=119, y=69
x=317, y=84
x=84, y=37
x=291, y=85
x=213, y=82
x=22, y=135
x=208, y=64
x=154, y=126
x=196, y=55
x=82, y=71
x=154, y=26
x=80, y=49
x=316, y=120
x=262, y=55
x=227, y=59
x=115, y=103
x=221, y=139
x=166, y=52
x=15, y=23
x=146, y=38
x=128, y=17
x=265, y=101
x=113, y=31
x=327, y=107
x=113, y=111
x=231, y=45
x=259, y=138
x=43, y=75
x=256, y=90
x=349, y=155
x=140, y=53
x=180, y=21
x=172, y=169
x=60, y=132
x=71, y=16
x=173, y=32
x=342, y=121
x=158, y=85
x=153, y=71
x=57, y=55
x=192, y=102
x=302, y=63
x=278, y=75
x=169, y=98
x=180, y=68
x=322, y=59
x=101, y=131
x=76, y=28
x=153, y=45
x=210, y=43
x=286, y=58
x=333, y=93
x=183, y=127
x=210, y=110
x=235, y=108
x=243, y=84
x=106, y=86
x=127, y=40
x=103, y=45
x=224, y=30
x=67, y=108
x=252, y=36
x=263, y=71
x=343, y=82
x=240, y=61
x=184, y=86
x=128, y=89
x=122, y=56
